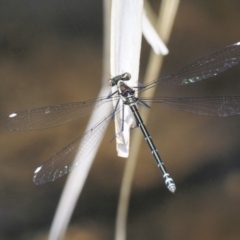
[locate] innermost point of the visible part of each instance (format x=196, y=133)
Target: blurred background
x=51, y=52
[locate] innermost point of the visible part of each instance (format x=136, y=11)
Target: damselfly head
x=124, y=77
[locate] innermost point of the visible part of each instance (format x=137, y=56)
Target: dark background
x=50, y=56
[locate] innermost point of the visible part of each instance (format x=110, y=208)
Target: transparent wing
x=51, y=116
x=222, y=106
x=70, y=156
x=203, y=68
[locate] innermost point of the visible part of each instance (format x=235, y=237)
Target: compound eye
x=126, y=76
x=110, y=82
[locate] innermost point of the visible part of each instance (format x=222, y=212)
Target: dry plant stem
x=125, y=57
x=126, y=38
x=164, y=25
x=76, y=178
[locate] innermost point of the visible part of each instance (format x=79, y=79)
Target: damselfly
x=51, y=116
